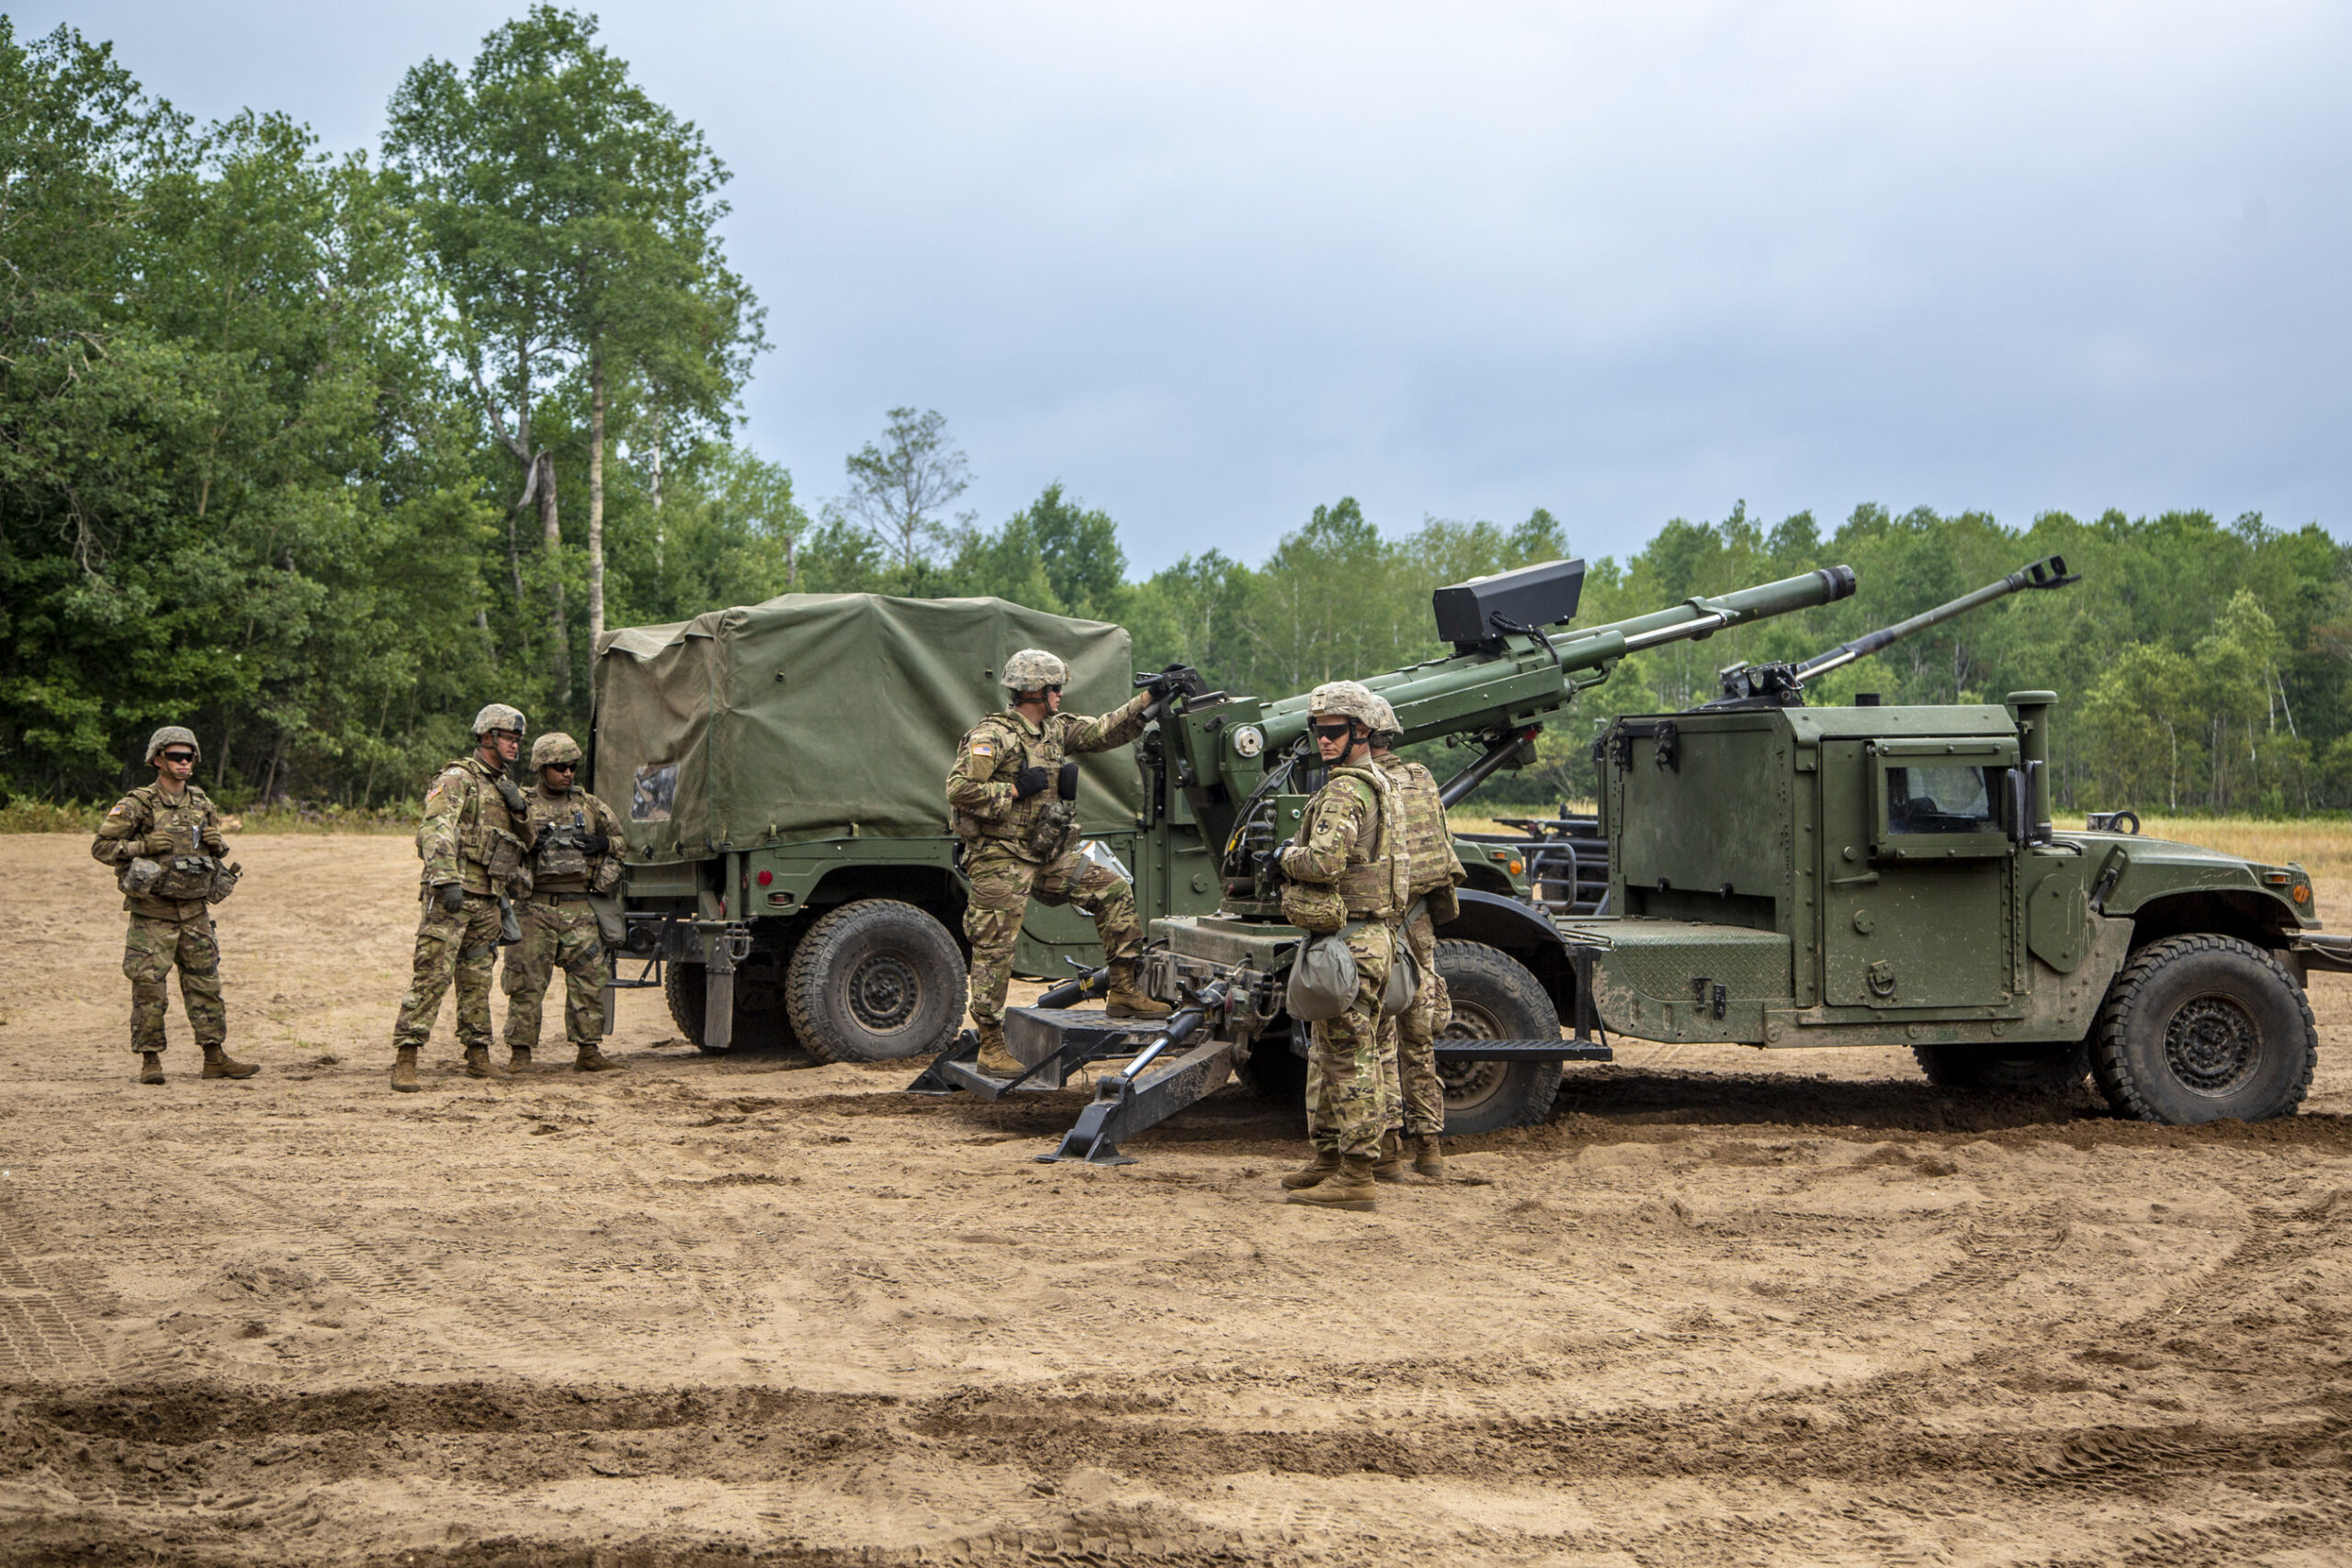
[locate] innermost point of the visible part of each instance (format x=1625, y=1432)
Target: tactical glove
x=452, y=895
x=1029, y=782
x=1271, y=862
x=1171, y=680
x=214, y=844
x=595, y=843
x=159, y=844
x=1066, y=786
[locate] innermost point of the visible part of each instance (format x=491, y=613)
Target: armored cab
x=1785, y=876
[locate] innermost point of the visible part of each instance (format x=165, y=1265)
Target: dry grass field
x=1724, y=1307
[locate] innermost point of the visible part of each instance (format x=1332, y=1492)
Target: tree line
x=317, y=451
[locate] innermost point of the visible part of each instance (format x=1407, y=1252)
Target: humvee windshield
x=1939, y=800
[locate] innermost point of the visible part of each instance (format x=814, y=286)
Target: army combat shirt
x=465, y=812
x=993, y=751
x=191, y=820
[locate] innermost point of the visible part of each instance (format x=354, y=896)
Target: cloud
x=1212, y=264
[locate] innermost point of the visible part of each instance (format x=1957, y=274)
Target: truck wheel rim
x=2212, y=1045
x=884, y=992
x=1469, y=1083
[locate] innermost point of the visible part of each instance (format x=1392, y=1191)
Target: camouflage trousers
x=1413, y=1097
x=1346, y=1112
x=153, y=945
x=563, y=935
x=1002, y=885
x=460, y=947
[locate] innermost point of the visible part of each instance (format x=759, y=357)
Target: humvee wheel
x=873, y=981
x=1495, y=998
x=2201, y=1027
x=2006, y=1069
x=760, y=1022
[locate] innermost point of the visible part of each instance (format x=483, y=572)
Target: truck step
x=1524, y=1051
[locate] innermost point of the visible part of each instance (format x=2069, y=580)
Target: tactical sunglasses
x=561, y=767
x=179, y=756
x=1339, y=732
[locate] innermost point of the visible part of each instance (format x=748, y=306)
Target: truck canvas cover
x=828, y=715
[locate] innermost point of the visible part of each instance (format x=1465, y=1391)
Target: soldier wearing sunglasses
x=1347, y=873
x=1011, y=798
x=163, y=841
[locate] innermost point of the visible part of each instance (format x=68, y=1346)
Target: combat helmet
x=554, y=747
x=1387, y=730
x=1352, y=699
x=170, y=735
x=1033, y=670
x=498, y=716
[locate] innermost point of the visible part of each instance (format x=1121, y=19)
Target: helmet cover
x=1034, y=670
x=170, y=735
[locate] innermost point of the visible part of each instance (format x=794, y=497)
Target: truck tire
x=873, y=981
x=760, y=1022
x=1495, y=998
x=2006, y=1069
x=1275, y=1073
x=2201, y=1027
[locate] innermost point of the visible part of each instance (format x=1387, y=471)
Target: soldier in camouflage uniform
x=1010, y=798
x=1416, y=1097
x=575, y=851
x=163, y=841
x=1346, y=872
x=472, y=851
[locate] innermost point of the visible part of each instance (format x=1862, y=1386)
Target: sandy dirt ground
x=1724, y=1308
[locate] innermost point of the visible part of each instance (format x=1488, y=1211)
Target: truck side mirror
x=2018, y=804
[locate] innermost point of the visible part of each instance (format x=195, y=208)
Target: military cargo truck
x=779, y=772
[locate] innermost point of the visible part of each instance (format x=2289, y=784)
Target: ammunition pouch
x=1442, y=905
x=502, y=856
x=1314, y=906
x=559, y=851
x=139, y=875
x=184, y=877
x=225, y=876
x=1052, y=834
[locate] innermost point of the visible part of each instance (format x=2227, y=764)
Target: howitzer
x=1782, y=685
x=1236, y=756
x=1243, y=767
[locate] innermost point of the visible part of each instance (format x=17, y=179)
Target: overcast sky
x=1212, y=264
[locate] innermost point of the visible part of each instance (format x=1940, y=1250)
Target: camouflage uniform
x=1416, y=1099
x=167, y=930
x=1346, y=861
x=1017, y=849
x=559, y=928
x=469, y=836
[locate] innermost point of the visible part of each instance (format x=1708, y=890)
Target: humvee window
x=1939, y=800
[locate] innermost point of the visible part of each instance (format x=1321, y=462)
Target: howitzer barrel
x=2048, y=573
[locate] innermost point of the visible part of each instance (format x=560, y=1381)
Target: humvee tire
x=1495, y=998
x=2201, y=1027
x=873, y=981
x=760, y=1022
x=2006, y=1069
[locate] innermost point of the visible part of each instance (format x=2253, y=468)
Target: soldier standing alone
x=472, y=851
x=1408, y=1041
x=1010, y=798
x=164, y=842
x=1346, y=873
x=574, y=840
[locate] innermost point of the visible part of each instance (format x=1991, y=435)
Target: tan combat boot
x=594, y=1061
x=151, y=1069
x=218, y=1063
x=1350, y=1189
x=1428, y=1159
x=1124, y=1000
x=1390, y=1163
x=518, y=1060
x=994, y=1059
x=480, y=1066
x=1315, y=1172
x=404, y=1069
